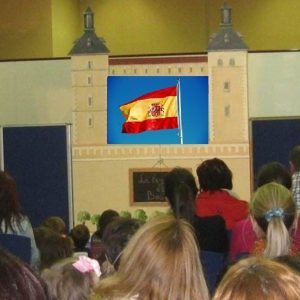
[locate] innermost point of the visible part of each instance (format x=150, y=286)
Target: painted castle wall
x=29, y=95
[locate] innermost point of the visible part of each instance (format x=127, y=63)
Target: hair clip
x=274, y=212
x=85, y=264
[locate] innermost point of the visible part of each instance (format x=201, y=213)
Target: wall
x=25, y=29
x=103, y=184
x=273, y=81
x=40, y=92
x=265, y=25
x=150, y=26
x=67, y=24
x=35, y=92
x=47, y=28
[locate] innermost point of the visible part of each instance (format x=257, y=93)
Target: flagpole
x=179, y=112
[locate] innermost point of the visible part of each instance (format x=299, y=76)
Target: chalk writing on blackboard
x=147, y=186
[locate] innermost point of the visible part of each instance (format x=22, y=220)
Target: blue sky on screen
x=194, y=107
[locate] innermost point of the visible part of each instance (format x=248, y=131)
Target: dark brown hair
x=181, y=191
x=18, y=281
x=80, y=235
x=53, y=248
x=214, y=174
x=10, y=208
x=274, y=172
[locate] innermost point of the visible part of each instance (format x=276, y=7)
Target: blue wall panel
x=37, y=157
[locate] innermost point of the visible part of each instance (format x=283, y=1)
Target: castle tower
x=89, y=63
x=227, y=70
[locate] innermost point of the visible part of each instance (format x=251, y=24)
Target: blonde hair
x=256, y=278
x=160, y=262
x=274, y=210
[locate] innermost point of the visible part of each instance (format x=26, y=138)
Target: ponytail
x=277, y=238
x=274, y=210
x=181, y=190
x=184, y=206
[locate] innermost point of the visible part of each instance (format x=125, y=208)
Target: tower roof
x=226, y=38
x=89, y=42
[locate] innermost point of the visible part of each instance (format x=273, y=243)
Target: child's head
x=274, y=172
x=56, y=224
x=274, y=211
x=161, y=261
x=116, y=236
x=80, y=235
x=72, y=278
x=213, y=174
x=181, y=190
x=54, y=247
x=106, y=217
x=259, y=278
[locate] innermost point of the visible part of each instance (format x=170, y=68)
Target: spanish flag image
x=152, y=111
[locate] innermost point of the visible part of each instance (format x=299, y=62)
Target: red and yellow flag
x=153, y=111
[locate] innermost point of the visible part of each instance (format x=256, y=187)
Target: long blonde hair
x=256, y=278
x=274, y=210
x=161, y=262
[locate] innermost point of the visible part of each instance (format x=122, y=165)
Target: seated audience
x=216, y=196
x=257, y=278
x=55, y=223
x=243, y=235
x=97, y=247
x=72, y=278
x=80, y=235
x=115, y=238
x=18, y=280
x=12, y=219
x=161, y=261
x=274, y=214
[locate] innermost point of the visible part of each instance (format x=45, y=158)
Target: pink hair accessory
x=85, y=264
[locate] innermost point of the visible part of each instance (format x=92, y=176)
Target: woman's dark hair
x=10, y=208
x=18, y=281
x=181, y=191
x=116, y=236
x=274, y=171
x=106, y=217
x=213, y=174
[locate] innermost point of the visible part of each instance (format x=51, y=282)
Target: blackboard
x=38, y=157
x=147, y=186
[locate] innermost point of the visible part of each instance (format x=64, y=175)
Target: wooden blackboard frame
x=132, y=185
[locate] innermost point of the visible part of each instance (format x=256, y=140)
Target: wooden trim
x=156, y=60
